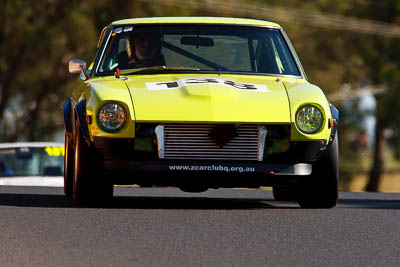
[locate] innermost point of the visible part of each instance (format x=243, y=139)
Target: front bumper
x=127, y=149
x=207, y=174
x=143, y=160
x=158, y=167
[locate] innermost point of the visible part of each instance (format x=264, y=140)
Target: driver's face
x=144, y=45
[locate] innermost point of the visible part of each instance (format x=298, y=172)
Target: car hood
x=208, y=98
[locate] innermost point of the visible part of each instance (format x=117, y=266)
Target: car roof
x=29, y=144
x=205, y=20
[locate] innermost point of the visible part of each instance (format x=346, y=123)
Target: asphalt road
x=165, y=227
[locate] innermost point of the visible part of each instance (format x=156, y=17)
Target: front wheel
x=320, y=189
x=68, y=167
x=89, y=183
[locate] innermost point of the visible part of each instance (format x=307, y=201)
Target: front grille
x=196, y=141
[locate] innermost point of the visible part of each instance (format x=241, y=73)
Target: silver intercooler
x=211, y=142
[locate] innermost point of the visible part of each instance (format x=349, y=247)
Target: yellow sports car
x=199, y=103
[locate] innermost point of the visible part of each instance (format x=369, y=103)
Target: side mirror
x=77, y=66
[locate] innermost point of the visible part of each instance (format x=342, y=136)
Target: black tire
x=285, y=192
x=68, y=167
x=81, y=174
x=90, y=186
x=320, y=189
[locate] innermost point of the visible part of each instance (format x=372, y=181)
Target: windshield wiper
x=156, y=68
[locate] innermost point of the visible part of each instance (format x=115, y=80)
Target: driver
x=144, y=50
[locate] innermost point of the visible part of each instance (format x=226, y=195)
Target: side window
x=286, y=61
x=122, y=45
x=266, y=57
x=253, y=43
x=278, y=59
x=110, y=59
x=273, y=56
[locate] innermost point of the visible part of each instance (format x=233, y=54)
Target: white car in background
x=32, y=164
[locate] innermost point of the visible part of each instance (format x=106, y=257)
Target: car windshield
x=32, y=161
x=193, y=48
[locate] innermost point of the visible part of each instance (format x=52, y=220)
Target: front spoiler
x=193, y=167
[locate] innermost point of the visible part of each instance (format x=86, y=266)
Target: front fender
x=80, y=109
x=301, y=93
x=67, y=108
x=335, y=118
x=102, y=92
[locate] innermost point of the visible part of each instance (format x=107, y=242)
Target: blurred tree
x=37, y=38
x=36, y=42
x=382, y=57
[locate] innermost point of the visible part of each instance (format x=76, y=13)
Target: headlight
x=309, y=119
x=111, y=117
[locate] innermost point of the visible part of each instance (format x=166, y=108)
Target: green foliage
x=39, y=39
